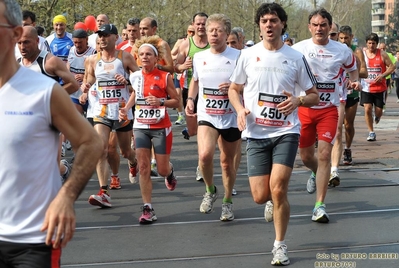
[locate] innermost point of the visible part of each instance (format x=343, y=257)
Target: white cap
x=250, y=43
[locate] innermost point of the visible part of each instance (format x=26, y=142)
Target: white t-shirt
x=211, y=70
x=326, y=63
x=265, y=75
x=29, y=173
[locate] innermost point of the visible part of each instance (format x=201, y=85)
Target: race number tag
x=216, y=102
x=147, y=114
x=373, y=73
x=326, y=91
x=110, y=91
x=267, y=113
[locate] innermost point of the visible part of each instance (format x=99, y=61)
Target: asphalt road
x=363, y=228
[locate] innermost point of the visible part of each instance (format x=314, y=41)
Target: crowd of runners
x=278, y=96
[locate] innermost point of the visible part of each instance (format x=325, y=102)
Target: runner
x=323, y=54
x=153, y=92
x=269, y=74
x=77, y=55
x=184, y=63
x=109, y=72
x=41, y=219
x=379, y=65
x=348, y=112
x=44, y=62
x=217, y=122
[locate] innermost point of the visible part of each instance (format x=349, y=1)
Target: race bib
x=373, y=73
x=267, y=113
x=110, y=91
x=326, y=91
x=216, y=102
x=147, y=114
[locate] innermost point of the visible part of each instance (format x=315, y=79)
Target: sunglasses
x=332, y=34
x=190, y=32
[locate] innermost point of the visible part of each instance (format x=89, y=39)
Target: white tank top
x=29, y=173
x=112, y=94
x=39, y=65
x=77, y=65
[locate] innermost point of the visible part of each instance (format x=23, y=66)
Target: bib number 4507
x=272, y=113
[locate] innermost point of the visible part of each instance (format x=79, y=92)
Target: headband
x=151, y=46
x=59, y=18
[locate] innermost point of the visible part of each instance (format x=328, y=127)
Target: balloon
x=90, y=22
x=80, y=25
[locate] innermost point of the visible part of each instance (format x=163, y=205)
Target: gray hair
x=221, y=18
x=13, y=12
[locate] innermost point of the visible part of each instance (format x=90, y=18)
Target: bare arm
x=130, y=63
x=167, y=57
x=55, y=66
x=362, y=67
x=89, y=78
x=192, y=94
x=182, y=61
x=235, y=100
x=60, y=215
x=390, y=67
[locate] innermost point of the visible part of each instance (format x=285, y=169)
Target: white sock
x=334, y=169
x=148, y=204
x=278, y=243
x=153, y=161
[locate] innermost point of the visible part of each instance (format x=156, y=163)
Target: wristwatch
x=301, y=100
x=161, y=102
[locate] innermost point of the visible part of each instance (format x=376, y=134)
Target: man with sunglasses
x=110, y=73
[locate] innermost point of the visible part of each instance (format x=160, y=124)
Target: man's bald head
x=30, y=31
x=28, y=44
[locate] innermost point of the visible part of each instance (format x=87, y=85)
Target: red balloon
x=80, y=25
x=90, y=22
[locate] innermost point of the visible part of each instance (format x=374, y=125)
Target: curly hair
x=154, y=40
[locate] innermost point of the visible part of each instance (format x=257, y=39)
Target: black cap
x=107, y=29
x=79, y=33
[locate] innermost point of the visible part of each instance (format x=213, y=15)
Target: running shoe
x=185, y=133
x=68, y=170
x=269, y=211
x=347, y=157
x=148, y=215
x=311, y=185
x=101, y=199
x=280, y=257
x=320, y=215
x=170, y=181
x=372, y=137
x=154, y=172
x=180, y=120
x=207, y=202
x=133, y=174
x=115, y=183
x=377, y=119
x=227, y=212
x=198, y=175
x=234, y=192
x=334, y=179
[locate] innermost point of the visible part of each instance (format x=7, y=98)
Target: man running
x=271, y=75
x=40, y=218
x=110, y=72
x=326, y=59
x=379, y=66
